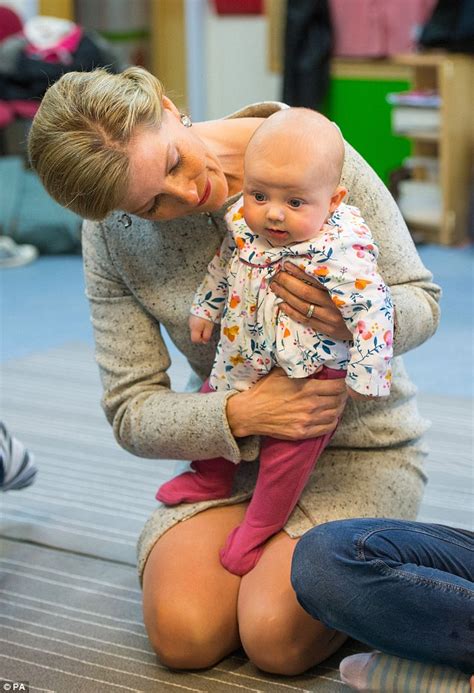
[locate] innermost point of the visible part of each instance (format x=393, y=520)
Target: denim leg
x=406, y=588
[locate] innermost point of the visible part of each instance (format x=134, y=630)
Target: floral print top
x=256, y=335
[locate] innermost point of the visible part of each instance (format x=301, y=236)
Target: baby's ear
x=337, y=197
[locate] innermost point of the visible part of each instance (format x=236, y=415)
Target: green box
x=360, y=108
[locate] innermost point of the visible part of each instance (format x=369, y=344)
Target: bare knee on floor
x=183, y=640
x=189, y=600
x=275, y=655
x=277, y=646
x=278, y=636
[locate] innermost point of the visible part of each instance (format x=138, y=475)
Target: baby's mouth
x=276, y=232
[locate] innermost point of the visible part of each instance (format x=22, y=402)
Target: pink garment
x=376, y=28
x=17, y=108
x=10, y=22
x=6, y=114
x=24, y=108
x=285, y=467
x=210, y=480
x=61, y=52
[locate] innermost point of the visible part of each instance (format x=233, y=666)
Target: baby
x=291, y=209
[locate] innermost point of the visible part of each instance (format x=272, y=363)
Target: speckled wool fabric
x=141, y=276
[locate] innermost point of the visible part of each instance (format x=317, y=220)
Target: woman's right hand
x=287, y=408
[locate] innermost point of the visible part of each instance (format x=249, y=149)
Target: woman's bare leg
x=189, y=599
x=276, y=633
x=191, y=603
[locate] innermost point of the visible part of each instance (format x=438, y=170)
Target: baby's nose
x=275, y=212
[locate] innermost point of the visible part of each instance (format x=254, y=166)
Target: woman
x=105, y=142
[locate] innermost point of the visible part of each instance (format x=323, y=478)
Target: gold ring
x=310, y=311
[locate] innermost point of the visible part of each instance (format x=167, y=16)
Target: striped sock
x=17, y=467
x=372, y=672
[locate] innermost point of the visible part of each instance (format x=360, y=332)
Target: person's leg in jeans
x=406, y=588
x=285, y=467
x=210, y=479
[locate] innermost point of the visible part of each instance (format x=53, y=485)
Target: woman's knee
x=189, y=600
x=267, y=645
x=186, y=640
x=277, y=646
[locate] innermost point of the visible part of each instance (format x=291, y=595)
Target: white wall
x=235, y=48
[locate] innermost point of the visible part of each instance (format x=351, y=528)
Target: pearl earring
x=186, y=120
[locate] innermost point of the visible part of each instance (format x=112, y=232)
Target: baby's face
x=284, y=202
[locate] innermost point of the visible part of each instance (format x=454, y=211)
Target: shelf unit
x=452, y=75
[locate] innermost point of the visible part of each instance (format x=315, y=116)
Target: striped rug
x=449, y=496
x=70, y=605
x=90, y=497
x=73, y=624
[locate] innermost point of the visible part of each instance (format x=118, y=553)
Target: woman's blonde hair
x=79, y=136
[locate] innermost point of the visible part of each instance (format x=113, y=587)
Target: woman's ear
x=337, y=197
x=169, y=106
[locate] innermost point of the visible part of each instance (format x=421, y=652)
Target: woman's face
x=172, y=171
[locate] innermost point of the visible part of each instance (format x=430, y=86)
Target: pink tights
x=285, y=467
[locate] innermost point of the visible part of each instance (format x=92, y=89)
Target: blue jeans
x=406, y=588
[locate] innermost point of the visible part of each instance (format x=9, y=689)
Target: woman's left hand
x=299, y=292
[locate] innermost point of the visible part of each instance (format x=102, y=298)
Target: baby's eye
x=259, y=197
x=295, y=203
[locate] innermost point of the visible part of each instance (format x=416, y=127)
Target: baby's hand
x=201, y=329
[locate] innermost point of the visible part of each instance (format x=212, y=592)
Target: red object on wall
x=239, y=6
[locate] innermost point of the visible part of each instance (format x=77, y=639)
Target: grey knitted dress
x=145, y=275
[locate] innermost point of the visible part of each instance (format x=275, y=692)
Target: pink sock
x=285, y=467
x=211, y=479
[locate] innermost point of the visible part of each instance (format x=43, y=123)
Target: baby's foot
x=200, y=485
x=244, y=546
x=374, y=671
x=236, y=556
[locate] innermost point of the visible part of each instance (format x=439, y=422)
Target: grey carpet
x=90, y=496
x=71, y=623
x=69, y=598
x=449, y=495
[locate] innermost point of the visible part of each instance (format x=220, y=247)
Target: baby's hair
x=306, y=130
x=79, y=136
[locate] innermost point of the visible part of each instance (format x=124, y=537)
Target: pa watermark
x=14, y=686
